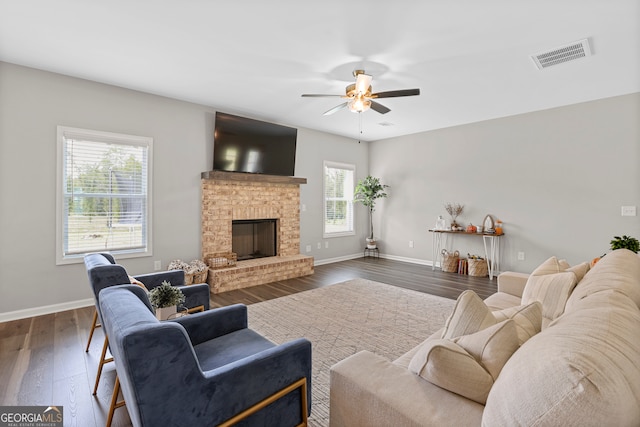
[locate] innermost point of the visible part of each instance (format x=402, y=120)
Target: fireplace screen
x=254, y=238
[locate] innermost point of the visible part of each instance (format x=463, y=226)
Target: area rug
x=345, y=318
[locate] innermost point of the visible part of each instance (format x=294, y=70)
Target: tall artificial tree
x=367, y=192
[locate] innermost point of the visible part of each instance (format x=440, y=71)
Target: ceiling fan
x=360, y=97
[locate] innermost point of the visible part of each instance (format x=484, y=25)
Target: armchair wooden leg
x=103, y=360
x=114, y=401
x=301, y=384
x=94, y=325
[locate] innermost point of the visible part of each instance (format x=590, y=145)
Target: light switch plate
x=628, y=211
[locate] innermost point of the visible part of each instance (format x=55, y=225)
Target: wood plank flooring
x=43, y=362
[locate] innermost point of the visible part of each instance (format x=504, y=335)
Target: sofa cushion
x=618, y=270
x=467, y=365
x=470, y=314
x=528, y=319
x=367, y=390
x=552, y=290
x=584, y=369
x=502, y=300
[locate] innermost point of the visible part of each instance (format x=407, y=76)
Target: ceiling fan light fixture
x=359, y=104
x=359, y=96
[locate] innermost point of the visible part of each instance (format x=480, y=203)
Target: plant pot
x=371, y=243
x=165, y=313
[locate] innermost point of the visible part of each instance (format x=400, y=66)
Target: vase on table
x=164, y=313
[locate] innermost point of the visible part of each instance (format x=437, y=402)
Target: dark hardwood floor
x=406, y=275
x=43, y=359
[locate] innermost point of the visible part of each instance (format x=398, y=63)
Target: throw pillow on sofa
x=551, y=284
x=580, y=270
x=471, y=314
x=551, y=266
x=528, y=319
x=467, y=365
x=475, y=345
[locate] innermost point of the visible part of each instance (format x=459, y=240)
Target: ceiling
x=470, y=59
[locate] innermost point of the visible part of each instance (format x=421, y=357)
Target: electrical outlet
x=521, y=256
x=326, y=244
x=319, y=245
x=157, y=265
x=304, y=207
x=308, y=248
x=410, y=243
x=628, y=211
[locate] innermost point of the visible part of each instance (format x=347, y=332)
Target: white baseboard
x=410, y=260
x=337, y=259
x=47, y=309
x=359, y=255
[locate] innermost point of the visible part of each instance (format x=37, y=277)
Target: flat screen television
x=252, y=146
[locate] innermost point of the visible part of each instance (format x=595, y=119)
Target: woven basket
x=222, y=260
x=477, y=267
x=191, y=278
x=450, y=261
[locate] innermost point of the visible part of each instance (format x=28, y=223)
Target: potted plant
x=625, y=242
x=165, y=299
x=367, y=192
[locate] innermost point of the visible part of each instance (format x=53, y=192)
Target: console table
x=491, y=247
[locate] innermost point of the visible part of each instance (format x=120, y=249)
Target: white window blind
x=104, y=193
x=338, y=199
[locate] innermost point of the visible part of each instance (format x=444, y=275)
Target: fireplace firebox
x=254, y=238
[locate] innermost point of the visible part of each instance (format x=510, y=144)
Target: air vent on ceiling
x=566, y=53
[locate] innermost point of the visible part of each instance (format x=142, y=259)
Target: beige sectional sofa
x=581, y=369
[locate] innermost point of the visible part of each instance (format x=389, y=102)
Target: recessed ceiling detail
x=559, y=55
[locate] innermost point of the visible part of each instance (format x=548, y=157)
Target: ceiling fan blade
x=363, y=81
x=320, y=95
x=395, y=93
x=379, y=107
x=336, y=108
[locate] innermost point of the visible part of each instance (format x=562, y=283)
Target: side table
x=491, y=243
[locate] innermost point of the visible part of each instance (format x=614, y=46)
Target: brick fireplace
x=229, y=197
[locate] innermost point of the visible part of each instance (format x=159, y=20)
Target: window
x=338, y=199
x=104, y=194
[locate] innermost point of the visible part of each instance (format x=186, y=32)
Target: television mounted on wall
x=247, y=145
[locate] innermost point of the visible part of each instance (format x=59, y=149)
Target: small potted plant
x=367, y=192
x=625, y=242
x=165, y=299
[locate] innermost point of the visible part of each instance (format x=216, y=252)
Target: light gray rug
x=345, y=318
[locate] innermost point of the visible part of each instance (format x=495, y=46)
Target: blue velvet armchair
x=103, y=272
x=203, y=369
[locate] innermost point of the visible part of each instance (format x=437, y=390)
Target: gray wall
x=33, y=103
x=312, y=150
x=556, y=178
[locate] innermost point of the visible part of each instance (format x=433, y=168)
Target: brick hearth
x=229, y=196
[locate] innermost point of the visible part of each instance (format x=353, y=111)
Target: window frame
x=350, y=202
x=65, y=133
